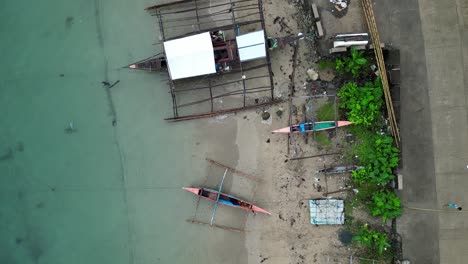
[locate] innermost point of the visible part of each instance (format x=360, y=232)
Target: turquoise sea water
x=104, y=193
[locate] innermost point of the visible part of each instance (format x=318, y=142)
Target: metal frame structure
x=189, y=17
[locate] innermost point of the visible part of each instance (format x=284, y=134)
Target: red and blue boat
x=225, y=199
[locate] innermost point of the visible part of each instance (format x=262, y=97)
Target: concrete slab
x=440, y=27
x=450, y=140
x=453, y=252
x=404, y=32
x=444, y=49
x=459, y=233
x=445, y=73
x=433, y=5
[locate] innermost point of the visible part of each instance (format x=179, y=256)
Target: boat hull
x=153, y=64
x=225, y=199
x=312, y=127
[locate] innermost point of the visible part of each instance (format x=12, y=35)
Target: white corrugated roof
x=190, y=56
x=251, y=46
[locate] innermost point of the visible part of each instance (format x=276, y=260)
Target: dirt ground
x=288, y=236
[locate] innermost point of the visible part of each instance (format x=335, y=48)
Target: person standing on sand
x=454, y=206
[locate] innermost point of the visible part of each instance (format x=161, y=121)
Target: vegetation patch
x=353, y=64
x=327, y=112
x=363, y=104
x=373, y=242
x=326, y=64
x=323, y=140
x=379, y=157
x=386, y=204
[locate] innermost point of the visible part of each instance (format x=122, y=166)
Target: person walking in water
x=454, y=206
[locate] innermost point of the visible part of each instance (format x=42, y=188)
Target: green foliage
x=361, y=176
x=372, y=240
x=363, y=103
x=326, y=64
x=326, y=112
x=365, y=193
x=386, y=204
x=379, y=157
x=353, y=63
x=323, y=140
x=339, y=66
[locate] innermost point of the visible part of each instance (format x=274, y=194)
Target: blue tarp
x=326, y=212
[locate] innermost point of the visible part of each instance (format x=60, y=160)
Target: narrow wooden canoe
x=312, y=127
x=150, y=64
x=225, y=199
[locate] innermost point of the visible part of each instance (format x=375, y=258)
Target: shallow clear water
x=104, y=193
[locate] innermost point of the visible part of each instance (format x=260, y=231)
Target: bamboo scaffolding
x=208, y=22
x=218, y=85
x=267, y=52
x=180, y=14
x=211, y=15
x=193, y=9
x=236, y=92
x=225, y=27
x=220, y=112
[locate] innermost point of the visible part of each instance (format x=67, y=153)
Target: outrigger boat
x=225, y=52
x=225, y=57
x=312, y=127
x=221, y=198
x=225, y=199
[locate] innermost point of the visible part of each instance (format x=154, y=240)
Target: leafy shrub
x=372, y=240
x=386, y=204
x=379, y=157
x=360, y=176
x=363, y=103
x=353, y=63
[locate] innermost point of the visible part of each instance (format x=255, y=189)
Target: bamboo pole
x=251, y=177
x=372, y=26
x=217, y=226
x=315, y=156
x=220, y=112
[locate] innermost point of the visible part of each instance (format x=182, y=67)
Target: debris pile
x=340, y=4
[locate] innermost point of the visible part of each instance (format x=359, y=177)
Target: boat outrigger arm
x=217, y=198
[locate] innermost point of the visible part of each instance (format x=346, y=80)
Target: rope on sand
x=435, y=210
